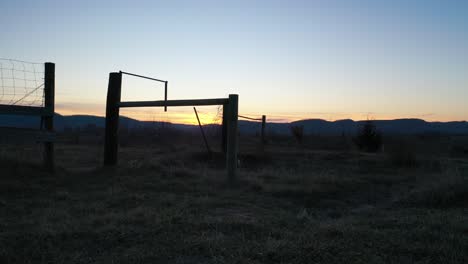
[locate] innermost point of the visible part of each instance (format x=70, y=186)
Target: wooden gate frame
x=46, y=113
x=114, y=103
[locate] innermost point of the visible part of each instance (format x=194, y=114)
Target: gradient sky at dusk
x=289, y=60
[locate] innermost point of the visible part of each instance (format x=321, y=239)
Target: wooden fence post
x=48, y=119
x=165, y=95
x=263, y=130
x=231, y=157
x=224, y=129
x=111, y=143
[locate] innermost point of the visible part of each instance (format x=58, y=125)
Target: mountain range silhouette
x=311, y=126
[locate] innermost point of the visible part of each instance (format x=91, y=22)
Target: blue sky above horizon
x=330, y=59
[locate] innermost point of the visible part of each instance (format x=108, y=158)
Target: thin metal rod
x=141, y=76
x=203, y=132
x=250, y=118
x=190, y=102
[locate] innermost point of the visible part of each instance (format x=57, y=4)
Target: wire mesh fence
x=21, y=83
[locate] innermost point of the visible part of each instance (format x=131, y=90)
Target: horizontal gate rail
x=189, y=102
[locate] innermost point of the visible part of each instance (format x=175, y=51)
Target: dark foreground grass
x=288, y=207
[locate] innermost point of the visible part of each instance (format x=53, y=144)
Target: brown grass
x=172, y=205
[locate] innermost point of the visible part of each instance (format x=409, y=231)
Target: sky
x=289, y=60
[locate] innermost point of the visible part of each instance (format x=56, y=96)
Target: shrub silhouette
x=369, y=139
x=298, y=132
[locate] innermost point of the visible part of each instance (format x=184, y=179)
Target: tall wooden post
x=224, y=129
x=112, y=119
x=48, y=119
x=263, y=129
x=231, y=157
x=165, y=95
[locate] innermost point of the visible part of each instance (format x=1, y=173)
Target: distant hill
x=311, y=126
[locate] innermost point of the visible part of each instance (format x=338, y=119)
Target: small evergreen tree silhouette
x=369, y=139
x=298, y=132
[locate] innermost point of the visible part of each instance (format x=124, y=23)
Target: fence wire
x=21, y=83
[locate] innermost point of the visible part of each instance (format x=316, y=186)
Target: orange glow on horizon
x=210, y=117
x=213, y=114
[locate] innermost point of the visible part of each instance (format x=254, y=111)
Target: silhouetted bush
x=369, y=139
x=298, y=133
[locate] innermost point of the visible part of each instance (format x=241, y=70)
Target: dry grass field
x=171, y=204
